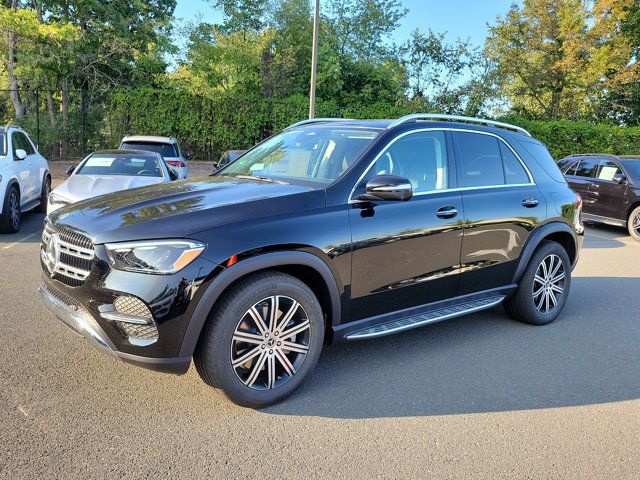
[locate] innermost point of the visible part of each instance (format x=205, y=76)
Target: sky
x=464, y=19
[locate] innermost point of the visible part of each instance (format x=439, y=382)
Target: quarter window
x=514, y=172
x=480, y=160
x=586, y=168
x=421, y=157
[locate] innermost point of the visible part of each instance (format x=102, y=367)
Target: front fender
x=250, y=265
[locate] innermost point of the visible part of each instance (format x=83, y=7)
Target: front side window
x=312, y=153
x=586, y=168
x=124, y=165
x=164, y=149
x=20, y=142
x=420, y=157
x=480, y=160
x=607, y=170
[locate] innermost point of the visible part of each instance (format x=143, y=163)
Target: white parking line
x=5, y=247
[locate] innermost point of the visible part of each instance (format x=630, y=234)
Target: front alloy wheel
x=633, y=224
x=262, y=339
x=270, y=342
x=14, y=210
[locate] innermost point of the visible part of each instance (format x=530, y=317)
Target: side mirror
x=619, y=178
x=173, y=175
x=387, y=187
x=70, y=170
x=21, y=154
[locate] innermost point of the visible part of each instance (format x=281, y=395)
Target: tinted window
x=125, y=165
x=480, y=160
x=3, y=144
x=570, y=168
x=586, y=167
x=164, y=149
x=541, y=155
x=607, y=170
x=514, y=172
x=633, y=167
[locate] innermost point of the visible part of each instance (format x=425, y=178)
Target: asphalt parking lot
x=476, y=397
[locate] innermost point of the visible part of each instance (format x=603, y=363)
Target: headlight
x=159, y=257
x=56, y=199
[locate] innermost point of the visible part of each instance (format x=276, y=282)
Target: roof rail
x=611, y=155
x=456, y=118
x=309, y=121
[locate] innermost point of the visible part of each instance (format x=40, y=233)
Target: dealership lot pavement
x=476, y=397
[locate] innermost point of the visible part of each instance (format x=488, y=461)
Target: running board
x=420, y=319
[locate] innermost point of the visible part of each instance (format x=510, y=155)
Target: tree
x=556, y=57
x=242, y=15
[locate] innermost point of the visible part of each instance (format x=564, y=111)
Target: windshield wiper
x=261, y=178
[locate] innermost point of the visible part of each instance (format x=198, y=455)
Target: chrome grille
x=69, y=258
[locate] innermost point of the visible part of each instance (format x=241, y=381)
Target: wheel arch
x=631, y=208
x=12, y=182
x=305, y=266
x=558, y=232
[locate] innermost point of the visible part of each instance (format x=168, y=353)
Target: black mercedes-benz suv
x=332, y=230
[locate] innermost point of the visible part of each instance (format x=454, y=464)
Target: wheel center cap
x=271, y=342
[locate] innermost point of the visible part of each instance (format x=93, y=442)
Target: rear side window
x=586, y=168
x=514, y=172
x=480, y=160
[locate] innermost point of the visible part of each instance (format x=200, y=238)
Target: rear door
x=501, y=205
x=607, y=194
x=579, y=177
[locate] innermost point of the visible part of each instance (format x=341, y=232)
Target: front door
x=407, y=254
x=23, y=168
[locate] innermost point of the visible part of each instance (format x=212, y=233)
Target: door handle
x=530, y=202
x=447, y=212
x=594, y=185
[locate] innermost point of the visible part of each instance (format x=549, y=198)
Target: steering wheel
x=147, y=173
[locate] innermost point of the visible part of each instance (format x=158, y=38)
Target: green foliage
x=564, y=137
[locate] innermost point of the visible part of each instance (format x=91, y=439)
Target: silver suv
x=168, y=147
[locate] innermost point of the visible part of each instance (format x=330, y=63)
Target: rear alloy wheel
x=544, y=286
x=633, y=224
x=11, y=216
x=261, y=340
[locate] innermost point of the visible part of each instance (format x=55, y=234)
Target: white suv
x=168, y=147
x=25, y=181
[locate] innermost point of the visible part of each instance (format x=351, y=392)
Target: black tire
x=633, y=224
x=11, y=216
x=44, y=196
x=218, y=344
x=524, y=306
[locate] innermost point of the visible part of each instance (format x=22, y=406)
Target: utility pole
x=314, y=59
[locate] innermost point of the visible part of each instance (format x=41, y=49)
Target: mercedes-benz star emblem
x=52, y=254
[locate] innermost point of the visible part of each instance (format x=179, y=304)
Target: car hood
x=80, y=187
x=182, y=208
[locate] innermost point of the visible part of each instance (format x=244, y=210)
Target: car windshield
x=164, y=149
x=126, y=165
x=632, y=165
x=313, y=153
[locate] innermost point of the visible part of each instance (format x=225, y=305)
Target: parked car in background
x=228, y=157
x=25, y=181
x=332, y=230
x=108, y=171
x=609, y=186
x=168, y=147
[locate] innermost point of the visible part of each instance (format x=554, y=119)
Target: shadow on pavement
x=30, y=230
x=487, y=362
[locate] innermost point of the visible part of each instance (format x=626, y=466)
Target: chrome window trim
x=457, y=189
